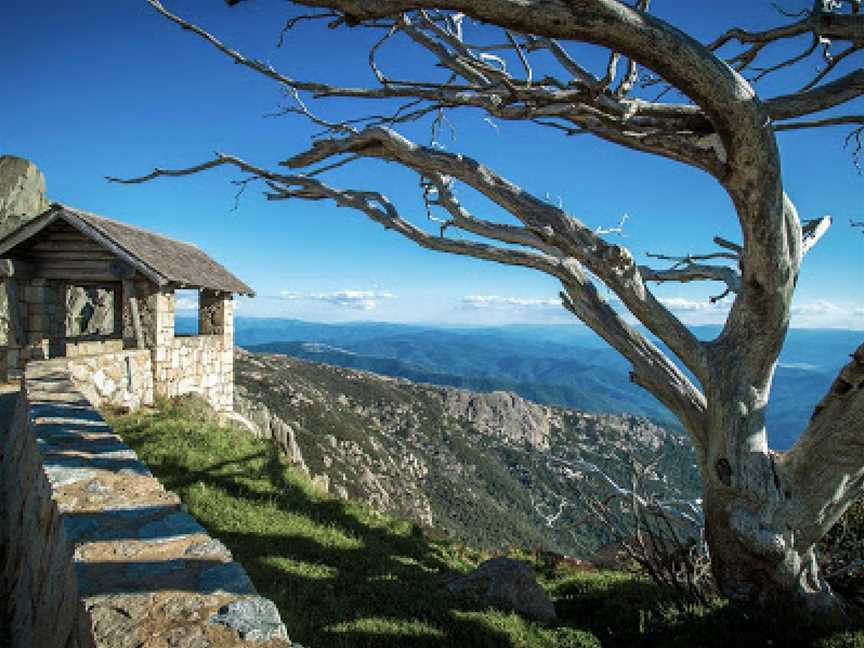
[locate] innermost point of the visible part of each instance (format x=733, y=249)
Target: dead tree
x=764, y=510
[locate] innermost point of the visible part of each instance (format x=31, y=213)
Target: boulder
x=508, y=584
x=613, y=556
x=22, y=192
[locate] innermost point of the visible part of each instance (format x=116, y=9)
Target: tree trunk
x=758, y=563
x=754, y=509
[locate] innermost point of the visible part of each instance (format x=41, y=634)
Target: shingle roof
x=162, y=259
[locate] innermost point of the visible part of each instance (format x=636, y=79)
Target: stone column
x=156, y=318
x=165, y=362
x=216, y=317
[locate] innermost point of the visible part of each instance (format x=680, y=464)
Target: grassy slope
x=344, y=576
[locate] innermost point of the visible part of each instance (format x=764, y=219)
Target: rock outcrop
x=22, y=192
x=264, y=424
x=505, y=415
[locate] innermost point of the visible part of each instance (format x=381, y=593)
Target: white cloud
x=185, y=304
x=359, y=299
x=819, y=307
x=821, y=313
x=682, y=304
x=697, y=311
x=497, y=301
x=366, y=300
x=824, y=313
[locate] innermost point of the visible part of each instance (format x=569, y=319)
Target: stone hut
x=101, y=294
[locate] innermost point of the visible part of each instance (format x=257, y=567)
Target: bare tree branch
x=729, y=245
x=651, y=368
x=826, y=465
x=612, y=264
x=686, y=512
x=695, y=272
x=821, y=123
x=831, y=62
x=812, y=231
x=823, y=97
x=822, y=22
x=617, y=229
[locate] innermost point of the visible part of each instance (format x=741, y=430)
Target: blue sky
x=97, y=88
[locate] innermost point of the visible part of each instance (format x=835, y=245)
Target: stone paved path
x=147, y=573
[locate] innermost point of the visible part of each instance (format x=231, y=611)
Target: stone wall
x=201, y=364
x=46, y=311
x=93, y=347
x=196, y=365
x=57, y=320
x=121, y=379
x=37, y=580
x=97, y=552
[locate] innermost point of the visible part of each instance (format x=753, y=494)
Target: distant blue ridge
x=564, y=365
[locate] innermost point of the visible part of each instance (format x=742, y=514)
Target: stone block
x=38, y=349
x=36, y=294
x=37, y=321
x=254, y=618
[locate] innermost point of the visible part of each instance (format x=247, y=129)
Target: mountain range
x=563, y=365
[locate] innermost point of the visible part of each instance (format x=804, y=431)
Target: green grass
x=343, y=575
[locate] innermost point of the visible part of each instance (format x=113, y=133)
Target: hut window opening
x=186, y=312
x=90, y=311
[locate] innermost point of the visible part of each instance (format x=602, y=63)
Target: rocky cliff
x=483, y=467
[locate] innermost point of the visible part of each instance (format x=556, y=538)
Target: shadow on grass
x=384, y=588
x=636, y=613
x=344, y=578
